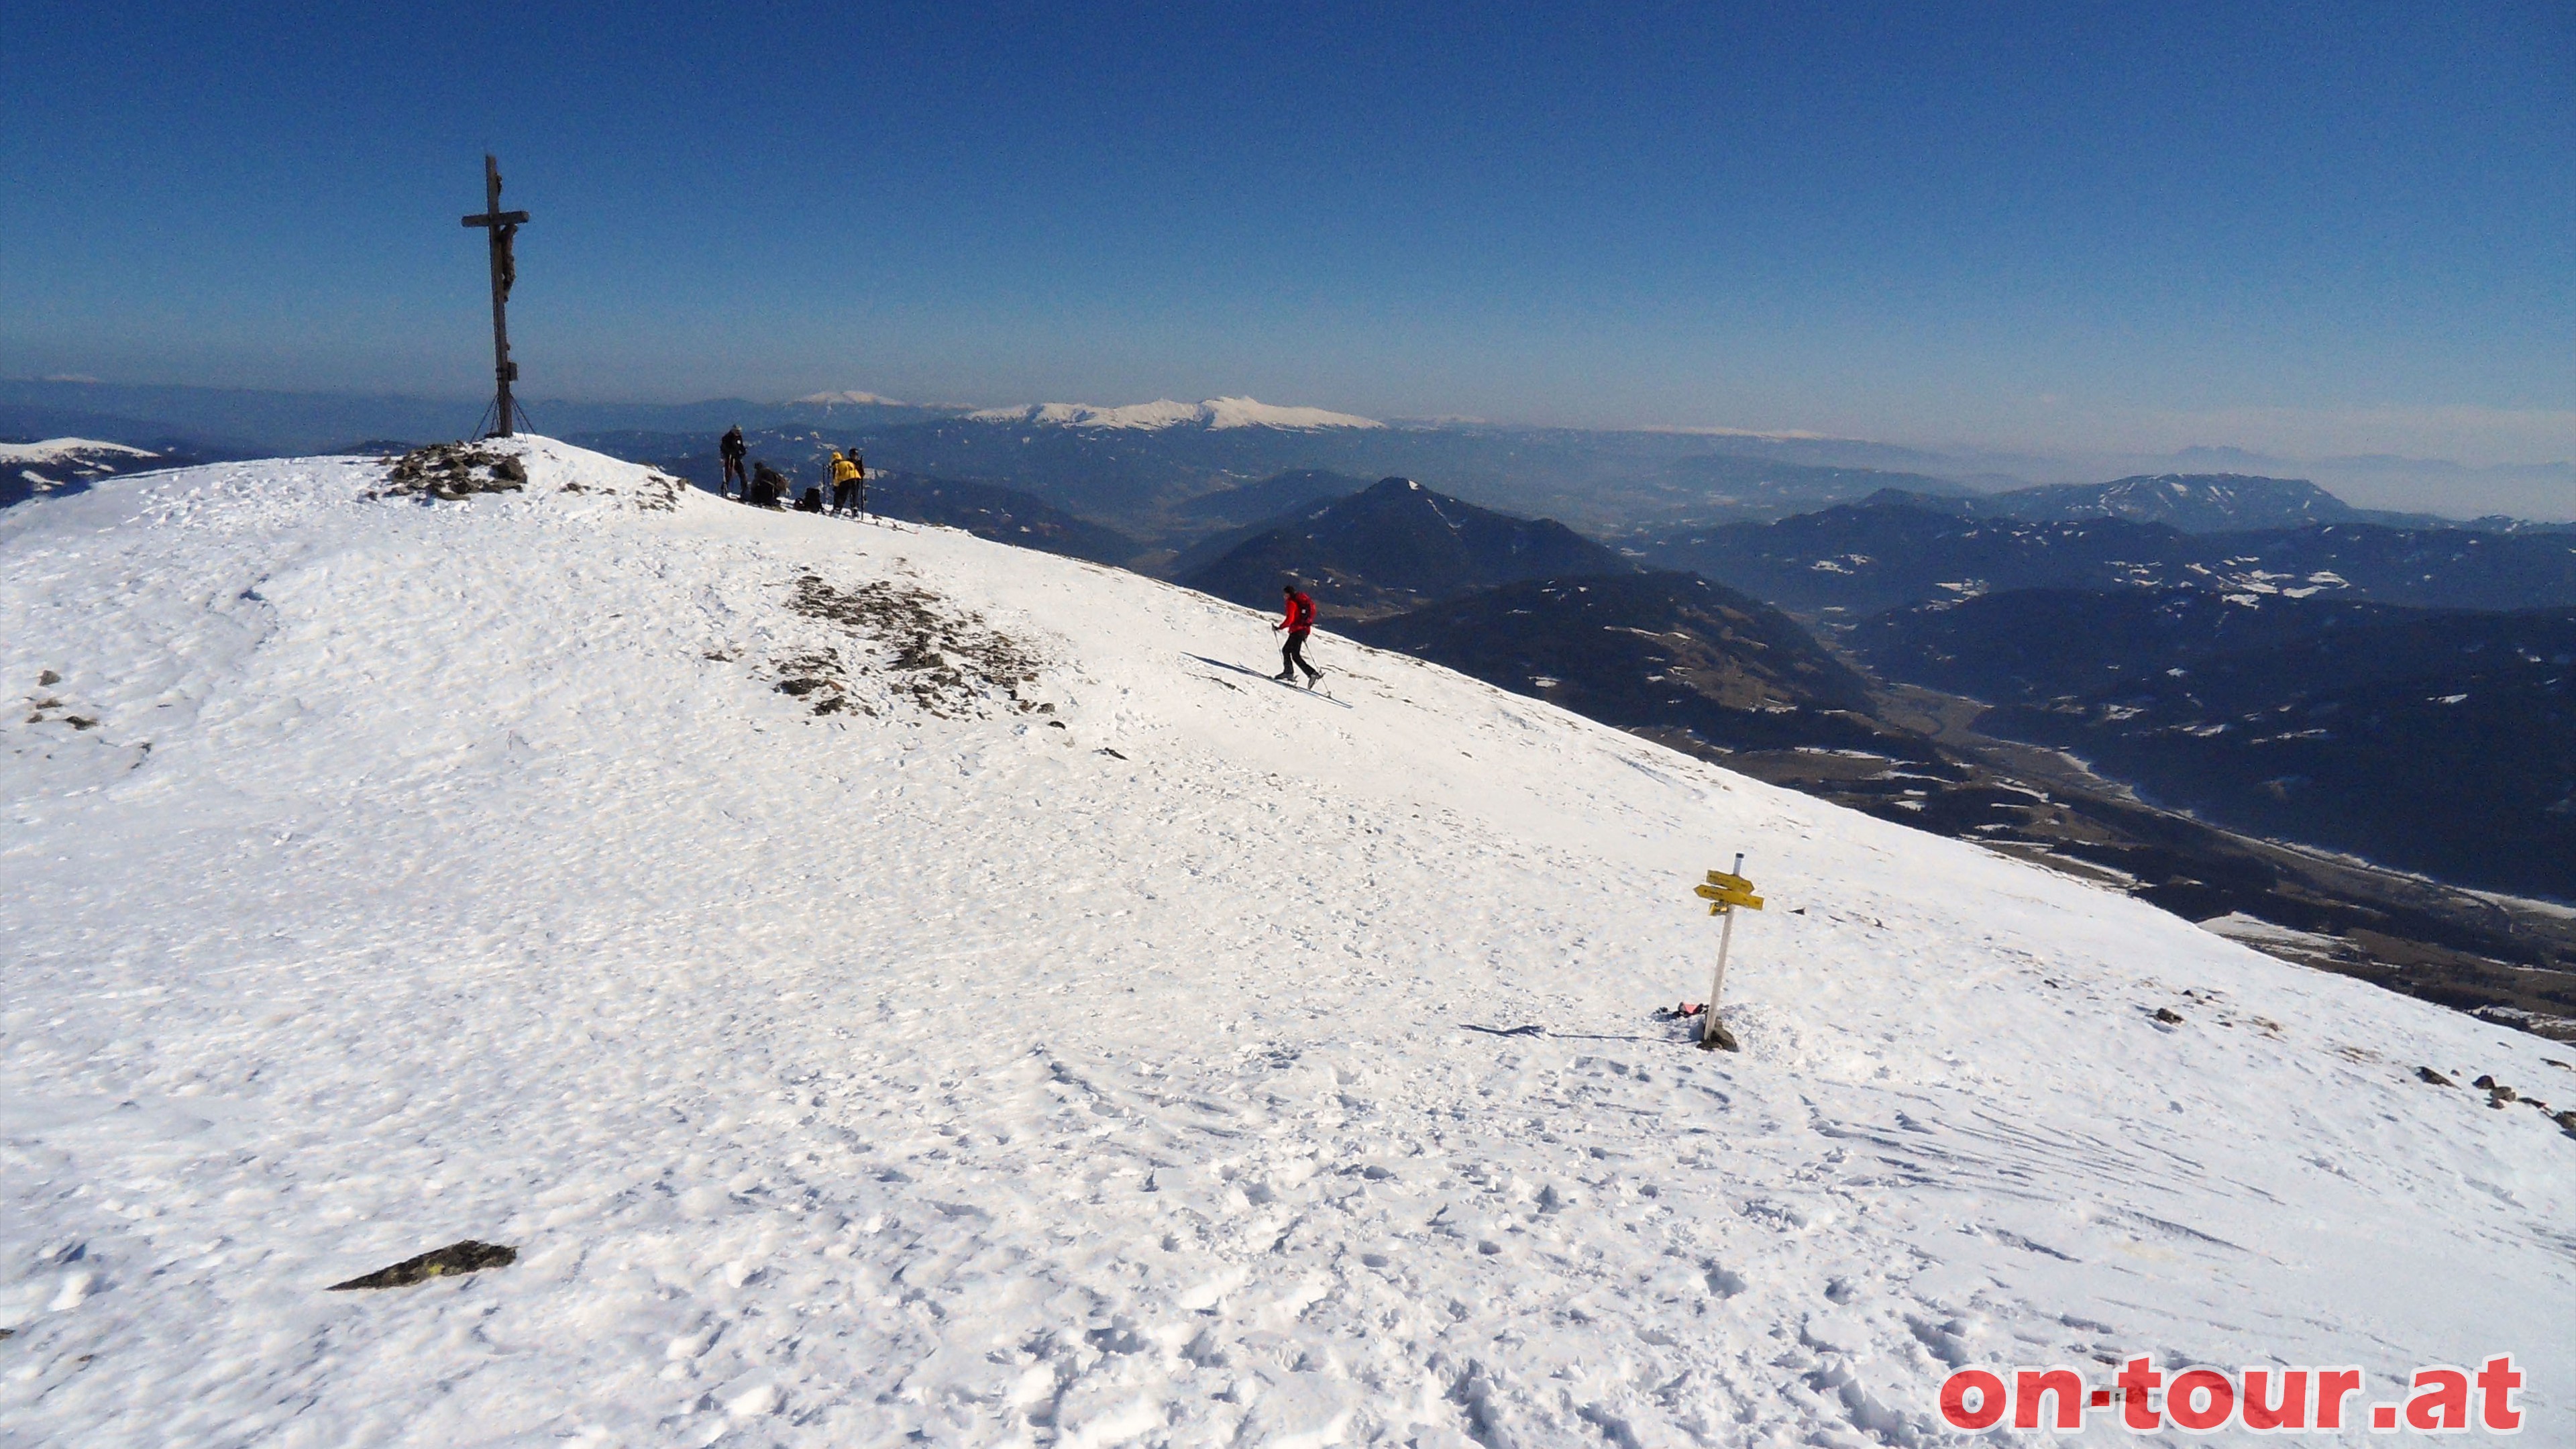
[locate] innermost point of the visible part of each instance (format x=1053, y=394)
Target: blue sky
x=2315, y=228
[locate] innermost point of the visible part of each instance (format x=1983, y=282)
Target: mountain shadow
x=2443, y=742
x=1898, y=549
x=2028, y=645
x=1395, y=546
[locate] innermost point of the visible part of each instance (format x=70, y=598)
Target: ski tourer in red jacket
x=1299, y=620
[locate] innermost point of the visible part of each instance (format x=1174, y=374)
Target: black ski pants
x=1292, y=656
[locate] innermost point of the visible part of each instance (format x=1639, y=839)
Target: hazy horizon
x=2299, y=230
x=2543, y=489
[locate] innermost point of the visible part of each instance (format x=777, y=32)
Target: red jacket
x=1301, y=614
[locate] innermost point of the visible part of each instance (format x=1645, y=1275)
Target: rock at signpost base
x=1719, y=1039
x=468, y=1256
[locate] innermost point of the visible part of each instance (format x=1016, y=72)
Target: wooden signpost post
x=1724, y=891
x=504, y=228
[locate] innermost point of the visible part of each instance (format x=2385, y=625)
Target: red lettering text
x=2440, y=1402
x=2496, y=1383
x=2263, y=1415
x=2333, y=1387
x=2200, y=1400
x=1989, y=1390
x=2066, y=1383
x=2137, y=1381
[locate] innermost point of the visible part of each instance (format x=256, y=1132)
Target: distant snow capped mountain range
x=1213, y=414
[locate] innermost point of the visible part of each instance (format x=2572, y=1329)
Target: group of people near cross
x=765, y=487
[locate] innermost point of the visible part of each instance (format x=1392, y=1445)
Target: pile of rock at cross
x=945, y=662
x=451, y=471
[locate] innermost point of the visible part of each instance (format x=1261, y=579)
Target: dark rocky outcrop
x=467, y=1256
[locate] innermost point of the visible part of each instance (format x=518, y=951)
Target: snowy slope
x=1213, y=414
x=919, y=1068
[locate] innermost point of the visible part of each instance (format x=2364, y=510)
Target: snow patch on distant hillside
x=1775, y=435
x=58, y=467
x=1243, y=412
x=55, y=450
x=1213, y=414
x=852, y=399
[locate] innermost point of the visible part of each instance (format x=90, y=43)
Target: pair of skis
x=1308, y=688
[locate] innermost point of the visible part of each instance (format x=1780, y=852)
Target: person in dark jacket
x=732, y=448
x=1298, y=623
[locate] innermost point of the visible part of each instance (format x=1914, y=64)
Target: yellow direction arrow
x=1729, y=895
x=1721, y=878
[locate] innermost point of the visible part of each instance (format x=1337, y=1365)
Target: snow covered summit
x=1213, y=415
x=888, y=986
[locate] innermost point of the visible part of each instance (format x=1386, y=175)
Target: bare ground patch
x=658, y=493
x=902, y=644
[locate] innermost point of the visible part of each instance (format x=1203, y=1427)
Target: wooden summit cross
x=503, y=226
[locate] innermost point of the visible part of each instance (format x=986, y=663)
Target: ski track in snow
x=853, y=1078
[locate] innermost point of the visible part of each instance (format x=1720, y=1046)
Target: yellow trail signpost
x=1727, y=891
x=1724, y=891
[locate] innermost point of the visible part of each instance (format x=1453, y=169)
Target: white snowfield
x=1213, y=414
x=1228, y=1066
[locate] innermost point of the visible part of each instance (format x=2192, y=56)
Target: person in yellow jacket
x=845, y=483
